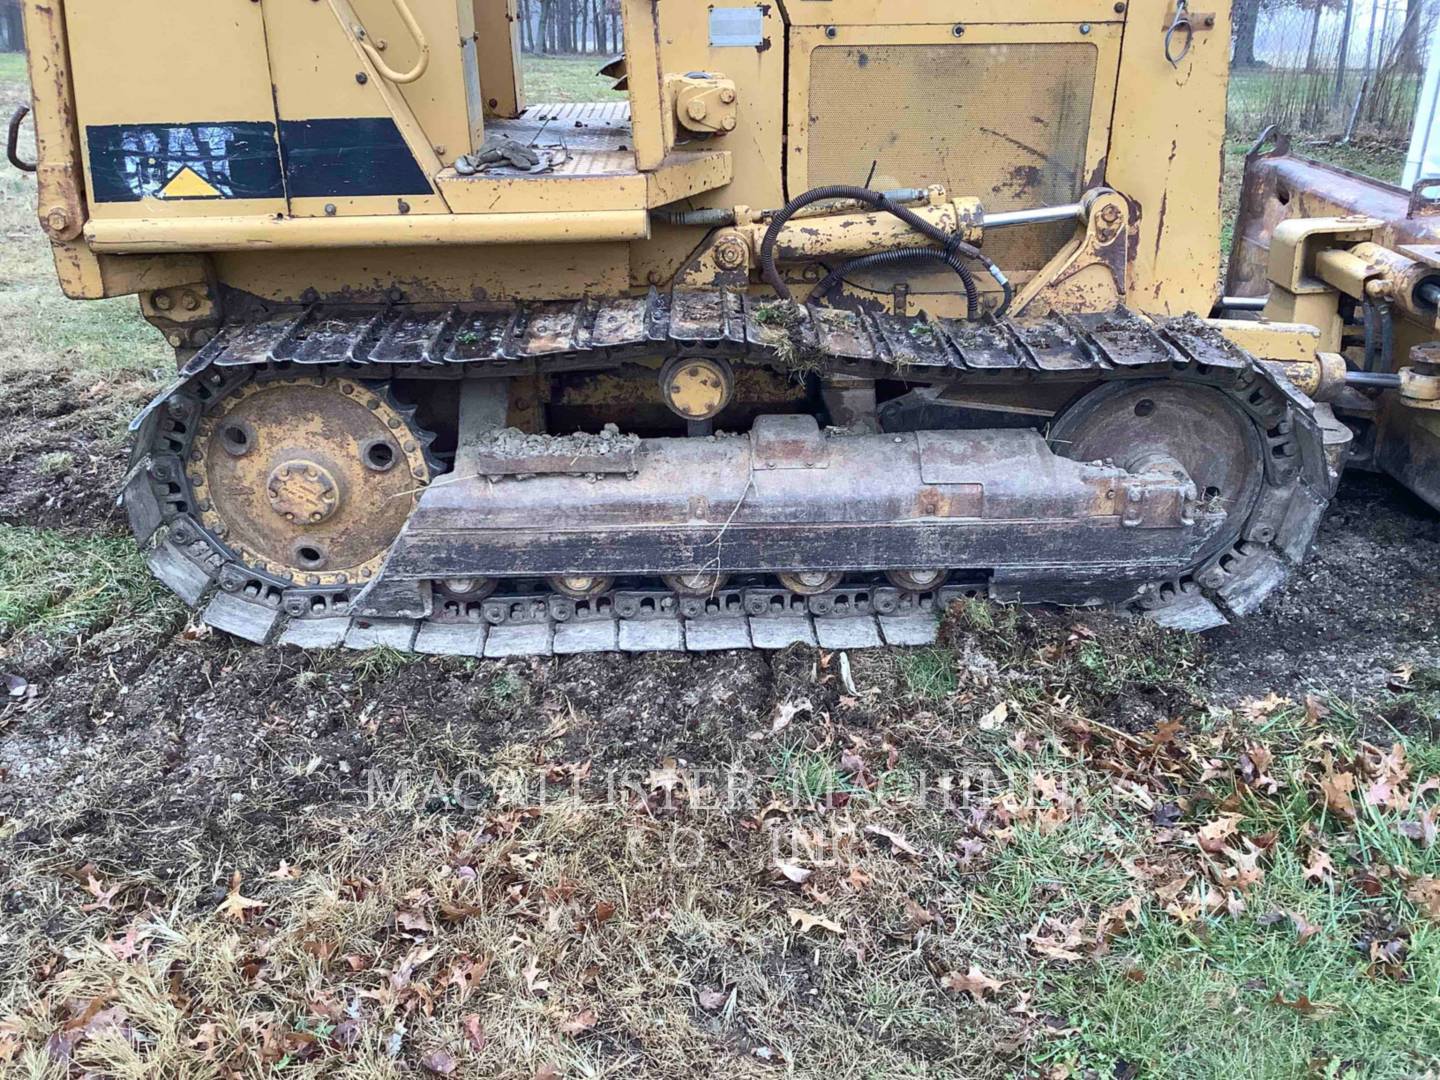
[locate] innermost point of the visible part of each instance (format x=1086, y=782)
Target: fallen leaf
x=845, y=678
x=974, y=982
x=441, y=1062
x=1424, y=892
x=710, y=1000
x=1304, y=928
x=582, y=1021
x=992, y=720
x=474, y=1033
x=916, y=915
x=1260, y=708
x=1301, y=1004
x=531, y=974
x=1423, y=831
x=16, y=686
x=1061, y=941
x=785, y=712
x=547, y=1072
x=793, y=871
x=1336, y=787
x=1212, y=836
x=897, y=841
x=807, y=922
x=603, y=912
x=1115, y=920
x=1320, y=869
x=234, y=906
x=1315, y=709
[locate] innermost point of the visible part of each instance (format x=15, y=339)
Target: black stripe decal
x=236, y=159
x=366, y=156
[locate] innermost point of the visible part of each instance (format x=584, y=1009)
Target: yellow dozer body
x=841, y=310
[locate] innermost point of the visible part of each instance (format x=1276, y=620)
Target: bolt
x=1120, y=7
x=958, y=30
x=361, y=78
x=728, y=123
x=163, y=301
x=727, y=96
x=1084, y=28
x=175, y=340
x=329, y=209
x=189, y=301
x=57, y=220
x=696, y=109
x=830, y=31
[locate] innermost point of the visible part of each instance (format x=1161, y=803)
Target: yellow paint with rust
x=1029, y=102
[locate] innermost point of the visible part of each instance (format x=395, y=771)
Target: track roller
x=917, y=580
x=580, y=586
x=810, y=582
x=699, y=583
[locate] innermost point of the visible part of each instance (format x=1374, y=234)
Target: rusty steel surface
x=1279, y=185
x=978, y=499
x=308, y=477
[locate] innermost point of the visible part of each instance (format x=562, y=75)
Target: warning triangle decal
x=188, y=184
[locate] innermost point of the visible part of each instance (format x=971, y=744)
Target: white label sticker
x=736, y=26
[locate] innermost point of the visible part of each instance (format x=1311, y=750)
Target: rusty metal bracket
x=787, y=442
x=1424, y=198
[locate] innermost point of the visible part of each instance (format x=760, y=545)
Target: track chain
x=503, y=340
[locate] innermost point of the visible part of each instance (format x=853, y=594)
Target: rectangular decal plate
x=733, y=27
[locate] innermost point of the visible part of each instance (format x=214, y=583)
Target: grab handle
x=422, y=62
x=12, y=144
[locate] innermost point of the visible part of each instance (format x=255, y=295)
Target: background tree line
x=570, y=26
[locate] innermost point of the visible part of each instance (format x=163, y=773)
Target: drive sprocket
x=308, y=478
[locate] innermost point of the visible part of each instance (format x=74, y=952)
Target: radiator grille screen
x=1008, y=123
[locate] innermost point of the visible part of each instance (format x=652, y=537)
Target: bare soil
x=62, y=453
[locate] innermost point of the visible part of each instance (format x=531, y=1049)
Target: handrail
x=422, y=62
x=12, y=144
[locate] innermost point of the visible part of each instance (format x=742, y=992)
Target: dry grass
x=778, y=867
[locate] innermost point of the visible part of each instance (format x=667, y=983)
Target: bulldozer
x=834, y=312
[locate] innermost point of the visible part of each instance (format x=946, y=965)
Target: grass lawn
x=1044, y=846
x=566, y=78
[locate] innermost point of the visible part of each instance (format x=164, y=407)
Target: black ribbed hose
x=895, y=257
x=952, y=245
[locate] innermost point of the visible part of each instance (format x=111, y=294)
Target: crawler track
x=500, y=341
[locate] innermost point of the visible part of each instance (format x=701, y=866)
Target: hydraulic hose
x=879, y=259
x=950, y=244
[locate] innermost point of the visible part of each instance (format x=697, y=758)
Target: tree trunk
x=1245, y=13
x=1407, y=46
x=1339, y=95
x=1314, y=37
